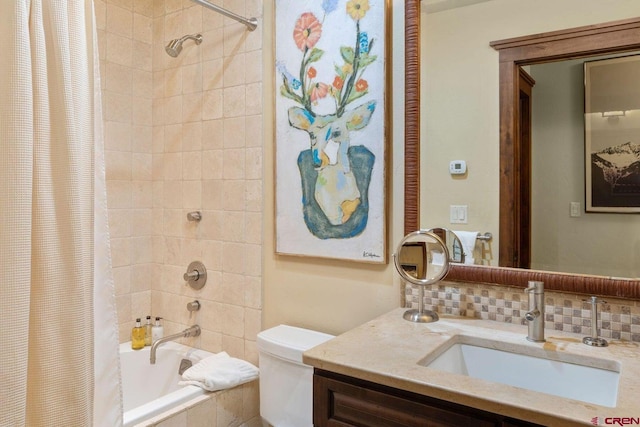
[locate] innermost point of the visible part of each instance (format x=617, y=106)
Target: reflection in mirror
x=422, y=259
x=452, y=242
x=453, y=96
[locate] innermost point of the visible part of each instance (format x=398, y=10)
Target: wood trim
x=412, y=117
x=558, y=282
x=577, y=42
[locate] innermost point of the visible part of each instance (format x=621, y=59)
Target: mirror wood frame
x=599, y=39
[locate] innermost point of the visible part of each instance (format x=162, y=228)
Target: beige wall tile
x=119, y=49
x=234, y=70
x=212, y=163
x=233, y=258
x=144, y=7
x=234, y=195
x=212, y=134
x=142, y=194
x=192, y=107
x=234, y=132
x=212, y=104
x=178, y=138
x=234, y=100
x=142, y=56
x=119, y=21
x=212, y=74
x=211, y=225
x=192, y=137
x=142, y=28
x=233, y=159
x=118, y=107
x=118, y=165
x=118, y=78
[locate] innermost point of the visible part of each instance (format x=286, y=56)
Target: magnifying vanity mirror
x=582, y=42
x=422, y=258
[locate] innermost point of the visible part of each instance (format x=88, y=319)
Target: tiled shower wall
x=617, y=318
x=184, y=134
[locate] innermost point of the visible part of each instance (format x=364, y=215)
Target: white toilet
x=286, y=384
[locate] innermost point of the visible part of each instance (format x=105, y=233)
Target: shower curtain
x=58, y=331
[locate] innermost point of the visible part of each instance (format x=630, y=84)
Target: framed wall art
x=331, y=129
x=612, y=135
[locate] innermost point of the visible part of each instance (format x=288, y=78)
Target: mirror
x=422, y=259
x=584, y=41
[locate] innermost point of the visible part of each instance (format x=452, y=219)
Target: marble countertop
x=388, y=350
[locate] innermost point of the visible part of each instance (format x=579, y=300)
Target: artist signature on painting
x=366, y=254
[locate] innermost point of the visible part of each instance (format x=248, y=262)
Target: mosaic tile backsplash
x=617, y=319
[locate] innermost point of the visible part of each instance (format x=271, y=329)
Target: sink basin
x=589, y=379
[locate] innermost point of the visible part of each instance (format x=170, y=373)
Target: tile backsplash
x=617, y=318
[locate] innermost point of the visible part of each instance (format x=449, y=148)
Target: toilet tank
x=286, y=384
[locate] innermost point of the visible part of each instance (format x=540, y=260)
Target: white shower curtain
x=58, y=331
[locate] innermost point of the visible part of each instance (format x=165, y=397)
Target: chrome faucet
x=535, y=315
x=193, y=331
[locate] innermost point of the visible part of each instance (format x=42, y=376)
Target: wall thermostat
x=458, y=167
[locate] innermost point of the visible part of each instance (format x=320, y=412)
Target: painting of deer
x=332, y=105
x=336, y=190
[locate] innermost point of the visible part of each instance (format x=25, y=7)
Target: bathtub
x=149, y=390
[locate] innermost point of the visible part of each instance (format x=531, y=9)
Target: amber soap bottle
x=137, y=336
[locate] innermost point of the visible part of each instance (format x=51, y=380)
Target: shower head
x=174, y=47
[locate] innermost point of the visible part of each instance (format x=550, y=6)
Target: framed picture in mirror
x=612, y=134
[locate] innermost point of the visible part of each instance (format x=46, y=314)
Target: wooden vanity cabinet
x=342, y=401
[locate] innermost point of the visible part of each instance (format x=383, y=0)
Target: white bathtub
x=149, y=390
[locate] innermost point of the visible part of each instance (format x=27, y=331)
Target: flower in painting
x=329, y=5
x=361, y=85
x=357, y=9
x=338, y=82
x=347, y=68
x=311, y=72
x=318, y=91
x=307, y=31
x=363, y=40
x=282, y=69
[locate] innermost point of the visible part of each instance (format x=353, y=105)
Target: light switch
x=458, y=214
x=575, y=209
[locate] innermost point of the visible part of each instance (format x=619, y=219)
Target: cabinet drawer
x=340, y=403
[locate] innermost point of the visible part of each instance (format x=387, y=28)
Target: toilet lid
x=289, y=342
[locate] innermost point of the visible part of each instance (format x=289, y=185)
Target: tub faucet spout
x=193, y=331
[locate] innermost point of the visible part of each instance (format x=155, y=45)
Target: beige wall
x=328, y=295
x=460, y=97
x=185, y=134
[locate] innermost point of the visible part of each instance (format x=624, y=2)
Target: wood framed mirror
x=618, y=36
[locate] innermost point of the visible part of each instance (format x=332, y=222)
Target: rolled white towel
x=219, y=372
x=468, y=240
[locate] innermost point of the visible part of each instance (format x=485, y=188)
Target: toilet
x=286, y=384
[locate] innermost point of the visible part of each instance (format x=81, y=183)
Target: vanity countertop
x=387, y=351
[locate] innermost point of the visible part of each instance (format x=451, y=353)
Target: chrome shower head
x=174, y=47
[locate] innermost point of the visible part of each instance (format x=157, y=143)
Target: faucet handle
x=594, y=340
x=594, y=300
x=535, y=287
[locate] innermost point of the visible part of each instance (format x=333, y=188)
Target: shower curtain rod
x=251, y=23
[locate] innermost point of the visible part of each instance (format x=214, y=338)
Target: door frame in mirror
x=617, y=36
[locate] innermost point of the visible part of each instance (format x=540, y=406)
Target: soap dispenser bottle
x=157, y=331
x=147, y=332
x=137, y=336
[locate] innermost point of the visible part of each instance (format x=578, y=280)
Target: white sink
x=589, y=379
